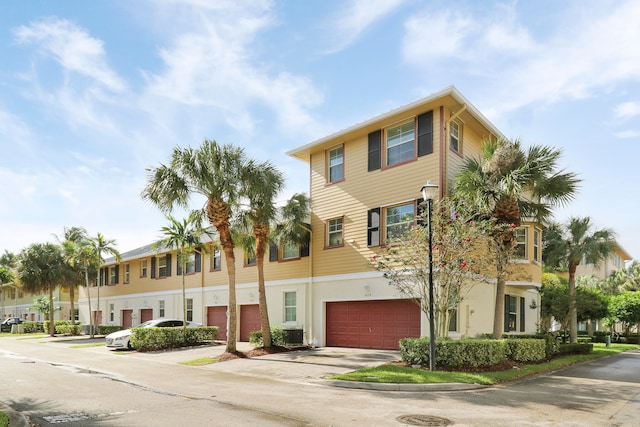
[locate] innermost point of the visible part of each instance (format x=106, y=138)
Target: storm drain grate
x=424, y=420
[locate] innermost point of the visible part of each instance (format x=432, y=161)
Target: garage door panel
x=371, y=324
x=217, y=316
x=249, y=320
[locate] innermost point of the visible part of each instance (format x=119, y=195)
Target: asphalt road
x=53, y=383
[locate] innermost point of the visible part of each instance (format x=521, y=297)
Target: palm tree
x=41, y=268
x=99, y=246
x=214, y=172
x=263, y=182
x=71, y=245
x=185, y=236
x=567, y=246
x=508, y=184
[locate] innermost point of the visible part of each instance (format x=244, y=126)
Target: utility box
x=293, y=336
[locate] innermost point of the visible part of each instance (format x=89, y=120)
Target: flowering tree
x=459, y=256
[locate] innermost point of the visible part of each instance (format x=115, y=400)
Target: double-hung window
x=290, y=251
x=127, y=271
x=400, y=143
x=162, y=266
x=143, y=268
x=334, y=232
x=536, y=245
x=520, y=249
x=398, y=219
x=190, y=263
x=113, y=275
x=454, y=136
x=190, y=309
x=335, y=164
x=290, y=307
x=215, y=260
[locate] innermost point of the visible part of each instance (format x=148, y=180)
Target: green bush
x=32, y=327
x=108, y=329
x=68, y=329
x=468, y=353
x=277, y=337
x=585, y=339
x=162, y=338
x=579, y=348
x=526, y=350
x=600, y=336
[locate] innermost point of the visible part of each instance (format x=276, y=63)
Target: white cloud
x=627, y=109
x=73, y=48
x=628, y=134
x=352, y=21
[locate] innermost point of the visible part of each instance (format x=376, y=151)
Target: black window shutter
x=178, y=265
x=375, y=146
x=168, y=265
x=373, y=227
x=425, y=133
x=153, y=267
x=521, y=314
x=506, y=313
x=198, y=262
x=117, y=274
x=273, y=253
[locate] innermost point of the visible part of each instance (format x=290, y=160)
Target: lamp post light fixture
x=429, y=191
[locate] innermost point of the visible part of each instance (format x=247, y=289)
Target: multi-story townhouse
x=14, y=302
x=147, y=284
x=361, y=180
x=616, y=261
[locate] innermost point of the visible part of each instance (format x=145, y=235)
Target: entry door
x=126, y=318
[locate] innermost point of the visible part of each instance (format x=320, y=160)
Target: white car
x=120, y=339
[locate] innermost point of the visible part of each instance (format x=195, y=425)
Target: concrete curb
x=404, y=387
x=15, y=418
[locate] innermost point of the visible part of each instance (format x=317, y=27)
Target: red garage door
x=217, y=316
x=249, y=320
x=371, y=324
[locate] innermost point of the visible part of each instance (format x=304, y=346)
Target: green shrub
x=32, y=327
x=526, y=350
x=468, y=353
x=162, y=338
x=108, y=329
x=68, y=329
x=600, y=336
x=277, y=337
x=585, y=339
x=579, y=348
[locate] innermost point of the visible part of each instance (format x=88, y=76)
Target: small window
x=113, y=275
x=336, y=164
x=400, y=143
x=398, y=219
x=161, y=308
x=290, y=251
x=520, y=249
x=334, y=232
x=162, y=266
x=290, y=307
x=190, y=264
x=189, y=310
x=127, y=269
x=215, y=260
x=536, y=245
x=617, y=261
x=454, y=136
x=512, y=313
x=250, y=259
x=111, y=312
x=143, y=268
x=453, y=321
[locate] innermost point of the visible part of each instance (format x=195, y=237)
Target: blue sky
x=92, y=93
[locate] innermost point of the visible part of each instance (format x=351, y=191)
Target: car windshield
x=146, y=324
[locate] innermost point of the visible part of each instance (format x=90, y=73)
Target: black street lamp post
x=428, y=193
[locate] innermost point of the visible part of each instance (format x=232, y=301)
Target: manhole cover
x=424, y=420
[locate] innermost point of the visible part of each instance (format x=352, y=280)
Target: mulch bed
x=257, y=352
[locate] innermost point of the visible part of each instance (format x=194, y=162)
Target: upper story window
x=162, y=266
x=113, y=275
x=335, y=164
x=143, y=268
x=250, y=259
x=215, y=260
x=536, y=245
x=454, y=136
x=520, y=249
x=334, y=232
x=398, y=219
x=400, y=143
x=290, y=251
x=127, y=271
x=617, y=261
x=190, y=264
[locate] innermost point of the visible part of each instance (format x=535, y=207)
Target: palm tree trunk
x=52, y=326
x=573, y=311
x=232, y=310
x=502, y=260
x=262, y=297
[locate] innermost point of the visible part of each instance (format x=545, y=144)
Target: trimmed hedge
x=62, y=327
x=108, y=329
x=468, y=353
x=526, y=350
x=579, y=348
x=162, y=338
x=277, y=337
x=32, y=327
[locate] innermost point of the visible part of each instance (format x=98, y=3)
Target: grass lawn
x=407, y=375
x=4, y=419
x=201, y=361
